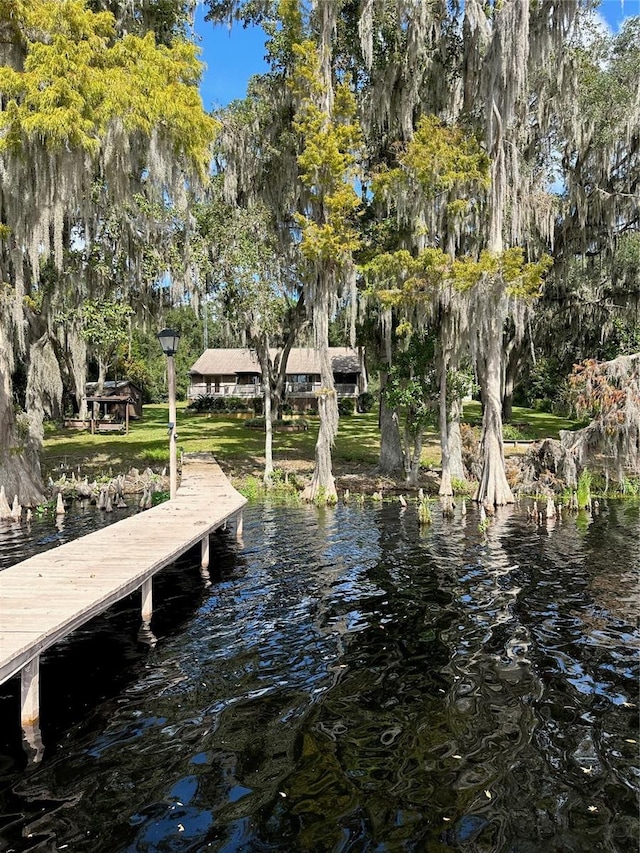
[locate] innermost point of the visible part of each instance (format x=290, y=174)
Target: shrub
x=237, y=404
x=346, y=407
x=251, y=488
x=366, y=402
x=543, y=404
x=514, y=433
x=203, y=403
x=584, y=489
x=462, y=487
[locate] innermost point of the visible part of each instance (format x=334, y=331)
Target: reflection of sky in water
x=349, y=682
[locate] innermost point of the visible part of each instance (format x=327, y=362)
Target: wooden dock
x=46, y=597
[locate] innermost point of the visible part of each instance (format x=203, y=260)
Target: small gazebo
x=109, y=413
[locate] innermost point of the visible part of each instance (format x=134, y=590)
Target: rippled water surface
x=347, y=683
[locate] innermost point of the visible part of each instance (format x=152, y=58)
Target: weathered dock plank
x=48, y=596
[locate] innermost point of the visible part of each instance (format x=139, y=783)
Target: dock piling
x=147, y=600
x=30, y=694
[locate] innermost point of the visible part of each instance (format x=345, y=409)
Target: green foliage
x=584, y=489
x=608, y=69
x=513, y=433
x=330, y=147
x=402, y=281
x=207, y=403
x=104, y=323
x=78, y=78
x=346, y=407
x=630, y=487
x=462, y=487
x=366, y=402
x=412, y=386
x=424, y=512
x=324, y=498
x=439, y=159
x=220, y=405
x=252, y=488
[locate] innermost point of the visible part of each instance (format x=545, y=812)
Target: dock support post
x=30, y=694
x=239, y=524
x=204, y=552
x=147, y=600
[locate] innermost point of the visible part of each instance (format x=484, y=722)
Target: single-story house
x=118, y=399
x=236, y=373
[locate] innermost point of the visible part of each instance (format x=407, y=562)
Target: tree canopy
x=459, y=180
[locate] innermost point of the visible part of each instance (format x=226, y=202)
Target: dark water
x=46, y=530
x=347, y=683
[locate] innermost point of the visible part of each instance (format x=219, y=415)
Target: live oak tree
x=95, y=127
x=590, y=307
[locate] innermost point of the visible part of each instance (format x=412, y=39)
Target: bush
x=462, y=487
x=514, y=433
x=203, y=403
x=346, y=407
x=584, y=489
x=210, y=403
x=366, y=402
x=237, y=404
x=543, y=404
x=257, y=404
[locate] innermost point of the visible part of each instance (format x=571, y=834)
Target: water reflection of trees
x=348, y=681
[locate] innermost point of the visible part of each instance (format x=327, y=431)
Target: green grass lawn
x=230, y=440
x=536, y=424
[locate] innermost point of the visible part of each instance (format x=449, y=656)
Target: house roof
x=110, y=398
x=111, y=385
x=224, y=362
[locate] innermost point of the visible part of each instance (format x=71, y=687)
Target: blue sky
x=233, y=56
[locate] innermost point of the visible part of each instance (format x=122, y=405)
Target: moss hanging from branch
x=89, y=120
x=609, y=392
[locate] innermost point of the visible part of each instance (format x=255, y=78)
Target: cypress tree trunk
x=268, y=433
x=454, y=436
x=412, y=457
x=77, y=360
x=322, y=486
x=391, y=459
x=446, y=489
x=493, y=488
x=19, y=464
x=510, y=375
x=262, y=351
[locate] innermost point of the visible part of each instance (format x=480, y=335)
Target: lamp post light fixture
x=169, y=343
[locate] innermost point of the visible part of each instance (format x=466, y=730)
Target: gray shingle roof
x=225, y=362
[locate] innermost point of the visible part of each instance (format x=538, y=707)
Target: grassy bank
x=240, y=450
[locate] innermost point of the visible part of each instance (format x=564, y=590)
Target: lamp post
x=169, y=343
